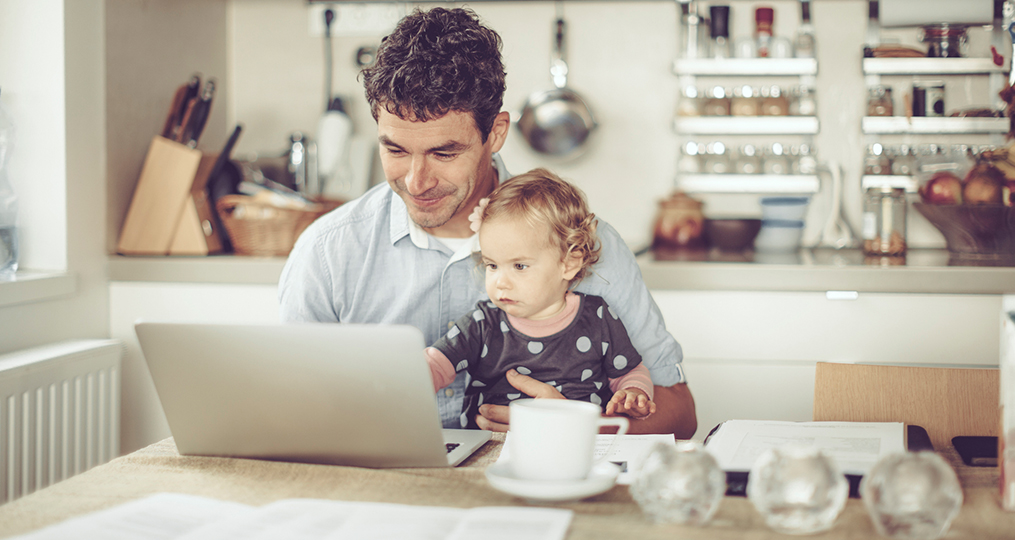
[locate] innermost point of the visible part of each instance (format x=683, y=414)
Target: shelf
x=748, y=183
x=930, y=66
x=746, y=66
x=932, y=125
x=747, y=125
x=907, y=183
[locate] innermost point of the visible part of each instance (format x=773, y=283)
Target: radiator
x=59, y=413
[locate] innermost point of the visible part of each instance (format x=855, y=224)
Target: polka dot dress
x=578, y=361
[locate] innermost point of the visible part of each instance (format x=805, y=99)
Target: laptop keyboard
x=451, y=446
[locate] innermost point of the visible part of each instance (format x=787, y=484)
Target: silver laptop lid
x=323, y=393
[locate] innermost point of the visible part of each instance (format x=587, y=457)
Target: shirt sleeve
x=441, y=370
x=620, y=356
x=305, y=290
x=463, y=342
x=617, y=278
x=636, y=378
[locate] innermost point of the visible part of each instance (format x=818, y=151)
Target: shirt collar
x=401, y=225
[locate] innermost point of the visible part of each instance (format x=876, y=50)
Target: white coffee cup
x=554, y=439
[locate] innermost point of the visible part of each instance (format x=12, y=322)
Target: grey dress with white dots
x=579, y=360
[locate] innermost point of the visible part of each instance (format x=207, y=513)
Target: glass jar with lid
x=904, y=160
x=879, y=101
x=877, y=161
x=884, y=221
x=776, y=159
x=748, y=160
x=774, y=102
x=691, y=155
x=690, y=102
x=745, y=101
x=803, y=101
x=717, y=102
x=804, y=160
x=717, y=159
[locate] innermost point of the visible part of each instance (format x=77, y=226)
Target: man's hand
x=495, y=417
x=631, y=402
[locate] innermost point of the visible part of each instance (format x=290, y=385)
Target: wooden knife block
x=170, y=213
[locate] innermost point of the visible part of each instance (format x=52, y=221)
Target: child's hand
x=631, y=402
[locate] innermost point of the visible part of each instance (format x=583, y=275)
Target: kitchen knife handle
x=175, y=111
x=188, y=113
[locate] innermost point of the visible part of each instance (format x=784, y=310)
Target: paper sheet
x=855, y=446
x=628, y=452
x=187, y=517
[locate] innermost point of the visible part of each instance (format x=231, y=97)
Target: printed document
x=855, y=446
x=174, y=516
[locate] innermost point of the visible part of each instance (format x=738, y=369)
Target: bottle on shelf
x=693, y=32
x=803, y=44
x=767, y=45
x=719, y=21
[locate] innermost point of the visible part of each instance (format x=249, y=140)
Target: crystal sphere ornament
x=679, y=484
x=797, y=489
x=912, y=495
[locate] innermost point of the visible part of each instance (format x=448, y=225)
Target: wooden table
x=610, y=516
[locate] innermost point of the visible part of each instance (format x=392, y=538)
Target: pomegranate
x=983, y=185
x=942, y=188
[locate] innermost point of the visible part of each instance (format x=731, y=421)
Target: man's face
x=436, y=167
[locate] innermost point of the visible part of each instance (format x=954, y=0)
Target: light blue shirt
x=367, y=262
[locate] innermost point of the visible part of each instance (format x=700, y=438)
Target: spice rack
x=690, y=70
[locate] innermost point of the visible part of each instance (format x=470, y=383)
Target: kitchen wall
x=620, y=56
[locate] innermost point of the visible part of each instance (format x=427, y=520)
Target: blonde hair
x=542, y=198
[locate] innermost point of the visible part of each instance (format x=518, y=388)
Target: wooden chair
x=947, y=402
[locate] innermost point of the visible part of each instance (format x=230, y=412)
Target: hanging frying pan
x=557, y=122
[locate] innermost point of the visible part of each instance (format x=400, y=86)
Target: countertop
x=930, y=271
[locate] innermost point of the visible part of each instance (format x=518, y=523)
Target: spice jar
x=904, y=160
x=877, y=161
x=804, y=160
x=748, y=160
x=690, y=158
x=717, y=160
x=777, y=160
x=689, y=103
x=884, y=221
x=774, y=102
x=803, y=102
x=744, y=101
x=717, y=102
x=879, y=101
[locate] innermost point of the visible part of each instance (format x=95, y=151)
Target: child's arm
x=632, y=394
x=441, y=370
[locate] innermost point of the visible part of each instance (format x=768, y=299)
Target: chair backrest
x=947, y=402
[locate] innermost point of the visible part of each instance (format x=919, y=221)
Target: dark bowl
x=731, y=234
x=974, y=231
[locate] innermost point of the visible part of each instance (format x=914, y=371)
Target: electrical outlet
x=355, y=19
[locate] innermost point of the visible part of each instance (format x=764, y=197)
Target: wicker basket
x=261, y=229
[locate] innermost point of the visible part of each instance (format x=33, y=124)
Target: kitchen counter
x=924, y=271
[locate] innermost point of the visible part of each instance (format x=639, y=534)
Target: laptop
x=342, y=394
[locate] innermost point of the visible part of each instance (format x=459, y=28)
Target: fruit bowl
x=974, y=231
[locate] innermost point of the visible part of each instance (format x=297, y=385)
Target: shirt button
x=449, y=392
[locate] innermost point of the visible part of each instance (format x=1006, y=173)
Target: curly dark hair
x=435, y=62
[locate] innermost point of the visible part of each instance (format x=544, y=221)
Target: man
x=436, y=91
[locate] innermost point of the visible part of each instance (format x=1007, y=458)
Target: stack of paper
x=855, y=446
x=172, y=516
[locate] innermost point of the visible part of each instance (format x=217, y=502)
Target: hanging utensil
x=557, y=122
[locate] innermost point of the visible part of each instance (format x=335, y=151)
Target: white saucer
x=602, y=477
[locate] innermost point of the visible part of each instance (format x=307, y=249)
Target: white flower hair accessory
x=476, y=217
